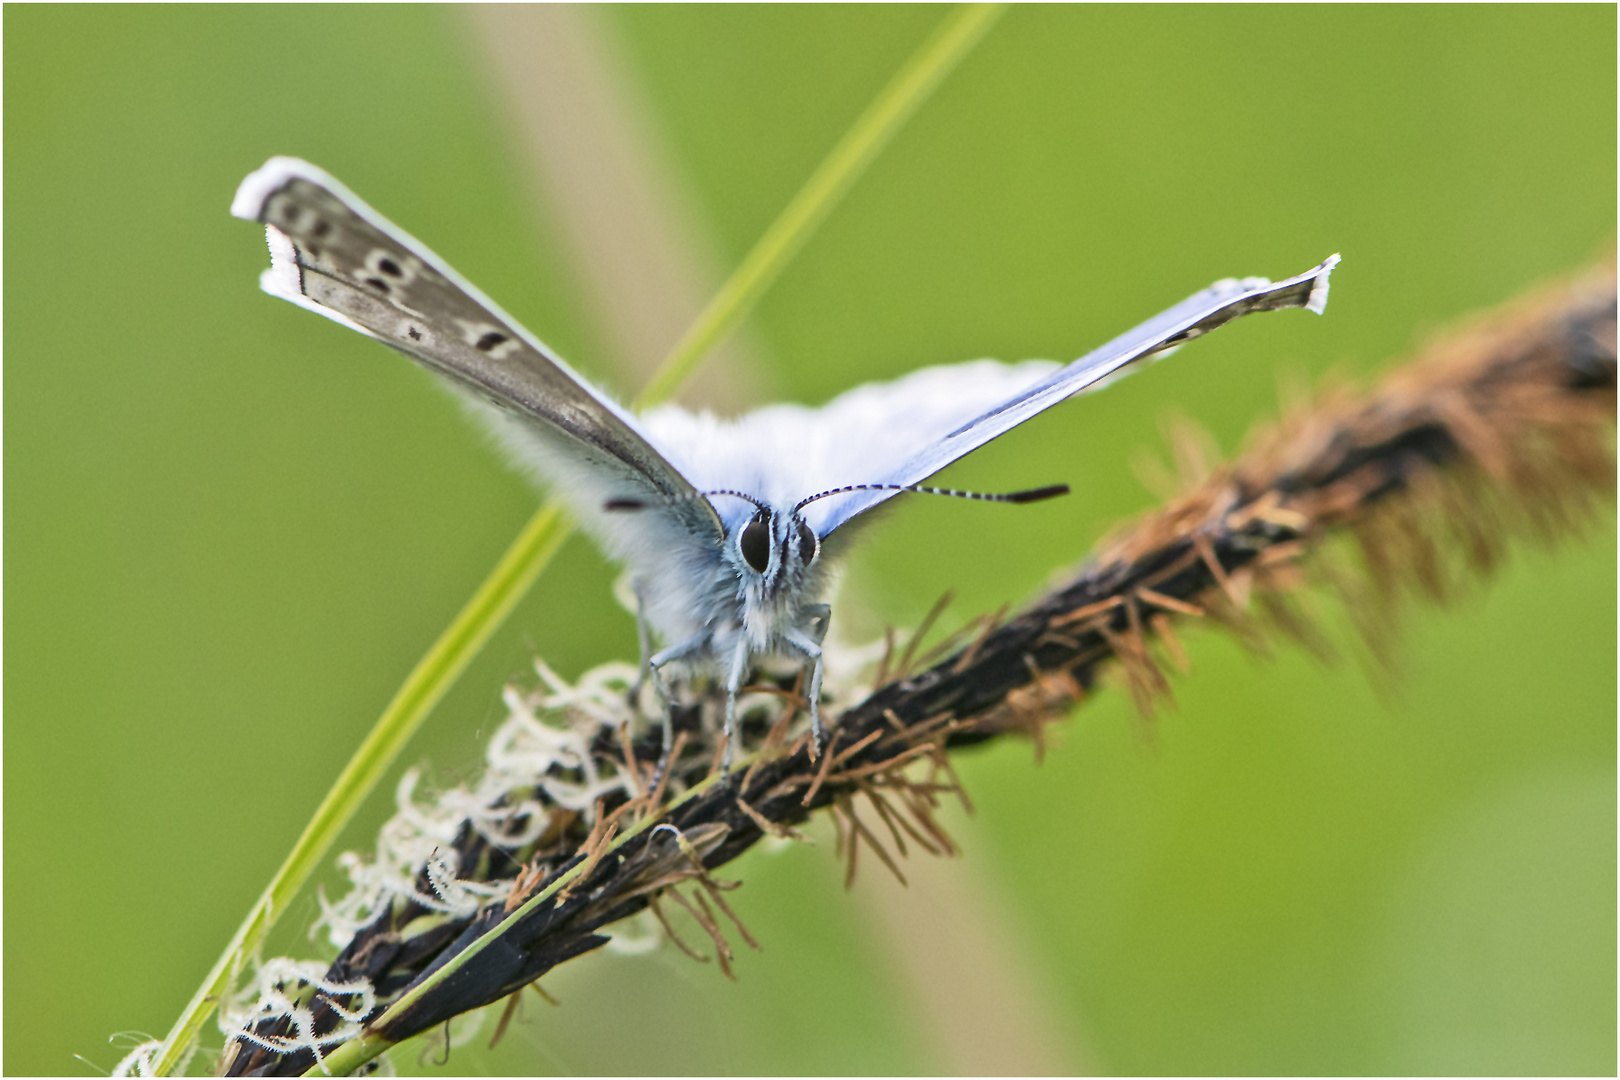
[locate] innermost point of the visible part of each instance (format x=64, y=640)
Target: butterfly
x=727, y=527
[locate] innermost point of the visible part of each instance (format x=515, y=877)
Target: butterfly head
x=771, y=556
x=778, y=546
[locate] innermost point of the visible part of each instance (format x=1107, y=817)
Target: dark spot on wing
x=390, y=267
x=377, y=283
x=489, y=341
x=413, y=333
x=321, y=229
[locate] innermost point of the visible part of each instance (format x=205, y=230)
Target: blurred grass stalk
x=545, y=533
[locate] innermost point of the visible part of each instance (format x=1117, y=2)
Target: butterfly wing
x=333, y=254
x=1192, y=318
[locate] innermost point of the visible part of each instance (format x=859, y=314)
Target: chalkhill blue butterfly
x=727, y=527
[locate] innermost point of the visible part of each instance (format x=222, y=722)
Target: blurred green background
x=231, y=527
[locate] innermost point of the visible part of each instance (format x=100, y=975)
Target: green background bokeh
x=231, y=527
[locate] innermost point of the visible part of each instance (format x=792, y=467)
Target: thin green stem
x=544, y=534
x=422, y=689
x=351, y=1055
x=871, y=132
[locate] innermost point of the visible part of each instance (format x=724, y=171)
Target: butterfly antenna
x=1029, y=496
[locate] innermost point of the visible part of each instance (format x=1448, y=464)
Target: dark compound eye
x=755, y=543
x=807, y=544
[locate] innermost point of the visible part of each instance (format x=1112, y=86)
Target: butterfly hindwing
x=335, y=255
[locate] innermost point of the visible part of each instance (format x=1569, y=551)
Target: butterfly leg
x=666, y=707
x=811, y=647
x=644, y=673
x=652, y=671
x=734, y=678
x=817, y=617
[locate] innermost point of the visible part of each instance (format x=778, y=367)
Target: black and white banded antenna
x=1027, y=496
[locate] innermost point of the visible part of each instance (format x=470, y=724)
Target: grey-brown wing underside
x=333, y=254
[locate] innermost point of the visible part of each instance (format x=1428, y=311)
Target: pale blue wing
x=333, y=254
x=1193, y=317
x=784, y=453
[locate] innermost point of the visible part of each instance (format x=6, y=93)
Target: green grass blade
x=544, y=534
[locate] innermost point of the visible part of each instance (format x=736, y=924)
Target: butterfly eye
x=755, y=543
x=808, y=547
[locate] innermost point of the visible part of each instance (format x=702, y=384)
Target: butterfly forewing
x=335, y=255
x=1193, y=317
